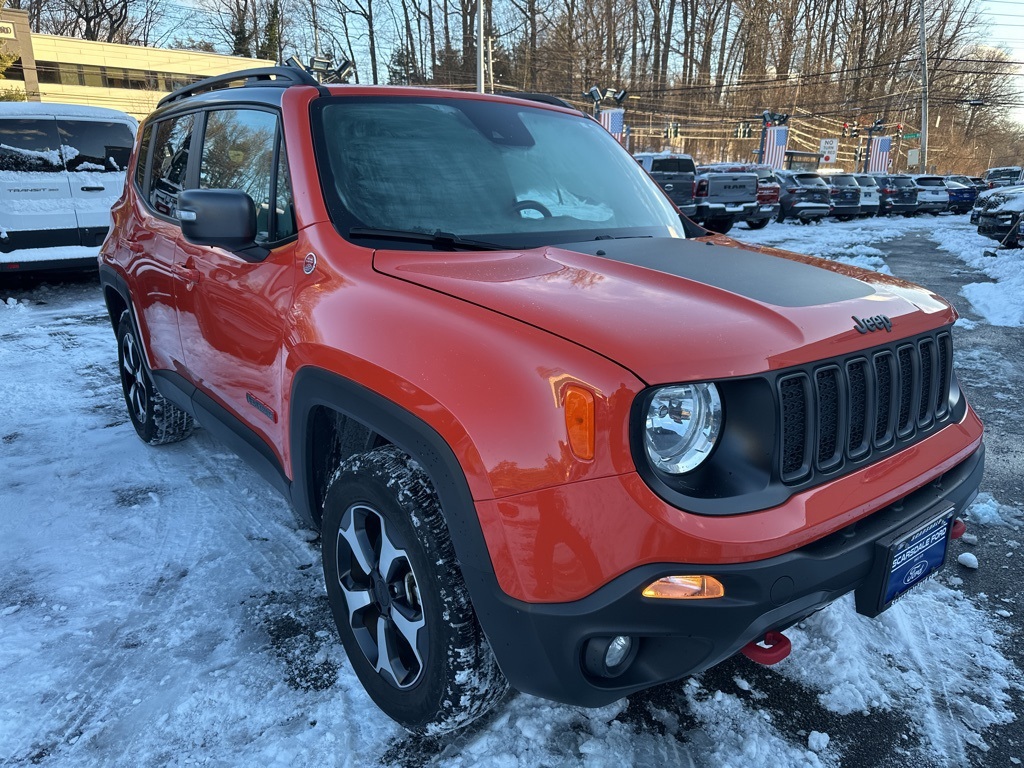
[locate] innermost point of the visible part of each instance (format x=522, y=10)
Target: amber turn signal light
x=686, y=588
x=579, y=421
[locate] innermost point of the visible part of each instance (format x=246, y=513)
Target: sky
x=1007, y=30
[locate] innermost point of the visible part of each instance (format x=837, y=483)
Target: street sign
x=913, y=158
x=911, y=135
x=828, y=149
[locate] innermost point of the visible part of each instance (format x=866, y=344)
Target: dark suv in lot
x=897, y=193
x=804, y=196
x=552, y=434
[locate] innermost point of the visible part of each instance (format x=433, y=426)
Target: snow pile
x=911, y=659
x=1000, y=302
x=987, y=511
x=849, y=242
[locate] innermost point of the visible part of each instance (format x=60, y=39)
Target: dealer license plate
x=905, y=558
x=917, y=555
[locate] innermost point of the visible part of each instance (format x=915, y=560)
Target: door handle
x=93, y=189
x=190, y=275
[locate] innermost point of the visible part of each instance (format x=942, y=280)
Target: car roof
x=21, y=109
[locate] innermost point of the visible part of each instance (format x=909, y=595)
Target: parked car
x=985, y=197
x=979, y=183
x=845, y=194
x=960, y=179
x=897, y=193
x=768, y=190
x=869, y=198
x=1001, y=215
x=551, y=434
x=725, y=198
x=1004, y=176
x=961, y=196
x=62, y=166
x=932, y=195
x=675, y=174
x=804, y=196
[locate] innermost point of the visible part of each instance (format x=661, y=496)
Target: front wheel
x=157, y=421
x=398, y=596
x=758, y=223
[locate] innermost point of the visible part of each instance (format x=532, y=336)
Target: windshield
x=811, y=180
x=902, y=181
x=1003, y=173
x=508, y=174
x=672, y=165
x=867, y=181
x=843, y=180
x=931, y=182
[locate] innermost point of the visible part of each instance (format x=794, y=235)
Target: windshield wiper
x=439, y=239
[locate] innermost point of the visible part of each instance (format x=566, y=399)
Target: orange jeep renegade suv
x=554, y=435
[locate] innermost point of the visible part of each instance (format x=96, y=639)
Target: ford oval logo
x=916, y=572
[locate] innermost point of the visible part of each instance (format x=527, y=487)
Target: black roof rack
x=545, y=98
x=275, y=77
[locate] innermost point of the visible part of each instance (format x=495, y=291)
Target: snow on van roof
x=42, y=109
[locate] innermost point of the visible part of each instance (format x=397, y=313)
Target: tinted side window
x=30, y=145
x=140, y=164
x=95, y=145
x=171, y=144
x=238, y=153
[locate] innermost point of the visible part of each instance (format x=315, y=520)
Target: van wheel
x=156, y=420
x=398, y=597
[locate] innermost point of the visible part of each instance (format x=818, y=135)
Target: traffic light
x=846, y=129
x=854, y=132
x=899, y=130
x=747, y=131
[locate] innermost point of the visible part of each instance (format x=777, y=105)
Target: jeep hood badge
x=876, y=323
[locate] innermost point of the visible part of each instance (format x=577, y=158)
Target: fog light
x=686, y=588
x=609, y=656
x=618, y=650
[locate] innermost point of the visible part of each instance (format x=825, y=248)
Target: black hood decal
x=758, y=276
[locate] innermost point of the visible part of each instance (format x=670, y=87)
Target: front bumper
x=540, y=647
x=998, y=227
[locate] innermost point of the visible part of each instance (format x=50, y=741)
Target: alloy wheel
x=382, y=596
x=134, y=373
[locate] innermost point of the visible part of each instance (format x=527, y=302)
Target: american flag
x=775, y=146
x=614, y=122
x=878, y=161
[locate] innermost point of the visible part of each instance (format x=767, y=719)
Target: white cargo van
x=62, y=166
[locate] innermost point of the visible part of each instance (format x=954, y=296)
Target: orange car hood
x=677, y=310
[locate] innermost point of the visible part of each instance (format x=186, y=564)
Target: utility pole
x=924, y=97
x=480, y=45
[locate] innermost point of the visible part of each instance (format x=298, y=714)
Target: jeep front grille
x=861, y=406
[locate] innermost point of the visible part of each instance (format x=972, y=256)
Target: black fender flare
x=313, y=387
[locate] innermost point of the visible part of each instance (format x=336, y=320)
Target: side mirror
x=220, y=218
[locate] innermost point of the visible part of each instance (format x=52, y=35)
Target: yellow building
x=132, y=78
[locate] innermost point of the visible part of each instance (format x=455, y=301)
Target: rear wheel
x=156, y=420
x=780, y=216
x=398, y=596
x=721, y=226
x=758, y=223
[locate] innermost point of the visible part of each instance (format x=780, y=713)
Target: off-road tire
x=451, y=677
x=156, y=420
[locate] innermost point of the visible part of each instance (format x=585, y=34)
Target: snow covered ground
x=160, y=606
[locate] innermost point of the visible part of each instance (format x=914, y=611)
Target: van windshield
x=30, y=146
x=45, y=145
x=508, y=174
x=95, y=145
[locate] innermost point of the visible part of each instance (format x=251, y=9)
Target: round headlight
x=682, y=426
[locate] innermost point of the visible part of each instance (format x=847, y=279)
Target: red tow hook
x=778, y=648
x=959, y=529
